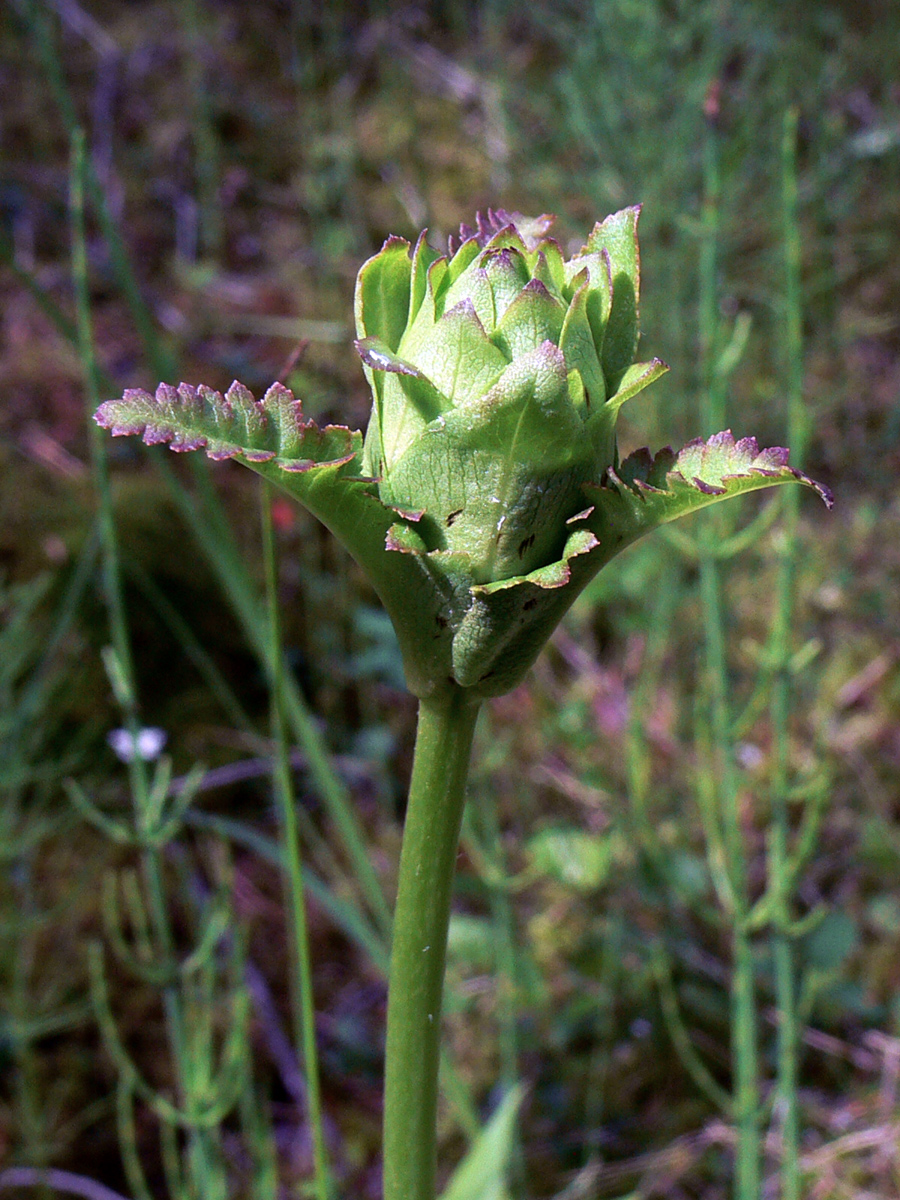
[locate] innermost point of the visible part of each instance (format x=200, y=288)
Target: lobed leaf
x=670, y=485
x=231, y=426
x=508, y=622
x=317, y=467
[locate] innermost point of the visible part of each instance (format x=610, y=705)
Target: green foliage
x=578, y=860
x=482, y=1175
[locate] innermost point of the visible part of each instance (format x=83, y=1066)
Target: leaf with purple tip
x=647, y=491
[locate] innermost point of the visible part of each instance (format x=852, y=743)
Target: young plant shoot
x=485, y=495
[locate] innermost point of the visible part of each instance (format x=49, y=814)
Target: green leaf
x=382, y=299
x=548, y=266
x=509, y=621
x=534, y=317
x=573, y=857
x=475, y=286
x=636, y=378
x=498, y=477
x=462, y=259
x=231, y=426
x=618, y=236
x=577, y=344
x=646, y=492
x=508, y=238
x=507, y=273
x=482, y=1173
x=457, y=356
x=506, y=624
x=422, y=258
x=492, y=281
x=428, y=401
x=315, y=466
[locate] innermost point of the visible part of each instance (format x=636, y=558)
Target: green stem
x=421, y=920
x=504, y=932
x=205, y=517
x=745, y=1054
x=785, y=985
x=303, y=1002
x=127, y=696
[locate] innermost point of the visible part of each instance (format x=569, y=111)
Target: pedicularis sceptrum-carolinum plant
x=486, y=493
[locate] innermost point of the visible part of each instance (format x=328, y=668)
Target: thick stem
x=421, y=919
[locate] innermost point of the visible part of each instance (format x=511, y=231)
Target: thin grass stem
x=199, y=1141
x=303, y=1002
x=779, y=710
x=111, y=573
x=503, y=922
x=205, y=519
x=745, y=1054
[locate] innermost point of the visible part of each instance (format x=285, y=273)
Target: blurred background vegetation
x=245, y=159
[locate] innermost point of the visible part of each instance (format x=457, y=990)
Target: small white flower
x=150, y=744
x=749, y=756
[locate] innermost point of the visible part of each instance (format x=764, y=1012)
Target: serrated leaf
x=646, y=492
x=316, y=467
x=508, y=622
x=483, y=1172
x=231, y=426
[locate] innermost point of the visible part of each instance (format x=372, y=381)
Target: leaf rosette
x=497, y=373
x=487, y=491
